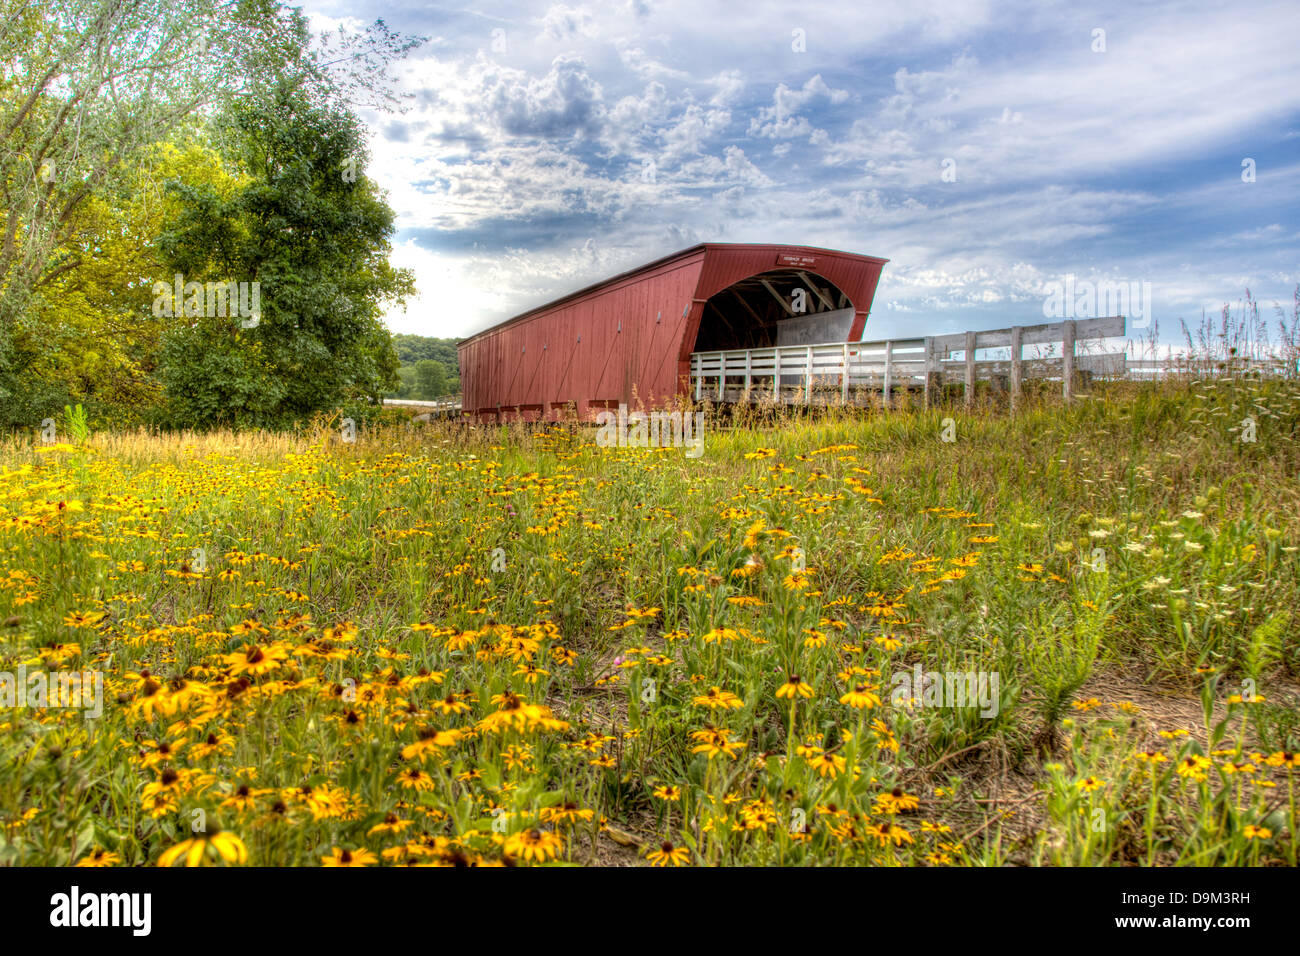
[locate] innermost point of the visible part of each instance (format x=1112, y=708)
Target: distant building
x=630, y=337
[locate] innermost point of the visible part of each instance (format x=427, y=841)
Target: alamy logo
x=656, y=429
x=920, y=688
x=80, y=690
x=1082, y=299
x=103, y=909
x=183, y=299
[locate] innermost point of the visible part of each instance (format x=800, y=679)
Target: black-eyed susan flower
x=256, y=660
x=534, y=845
x=715, y=741
x=718, y=699
x=218, y=847
x=668, y=855
x=413, y=778
x=349, y=858
x=861, y=697
x=896, y=801
x=794, y=687
x=99, y=857
x=391, y=824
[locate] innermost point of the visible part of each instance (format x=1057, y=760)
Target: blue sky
x=547, y=145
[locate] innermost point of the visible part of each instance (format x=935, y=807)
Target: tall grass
x=450, y=644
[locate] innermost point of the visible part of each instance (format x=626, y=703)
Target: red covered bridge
x=630, y=337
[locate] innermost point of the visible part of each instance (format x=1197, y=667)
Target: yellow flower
x=83, y=619
x=794, y=687
x=413, y=778
x=719, y=699
x=534, y=846
x=668, y=855
x=430, y=740
x=99, y=857
x=256, y=660
x=861, y=697
x=340, y=857
x=391, y=823
x=1193, y=767
x=826, y=765
x=219, y=846
x=896, y=801
x=715, y=740
x=886, y=832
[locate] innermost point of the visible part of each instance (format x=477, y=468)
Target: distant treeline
x=430, y=368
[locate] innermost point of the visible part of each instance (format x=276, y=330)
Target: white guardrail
x=815, y=372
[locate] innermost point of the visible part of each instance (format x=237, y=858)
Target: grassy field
x=917, y=638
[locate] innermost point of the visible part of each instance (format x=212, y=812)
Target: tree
x=86, y=85
x=313, y=232
x=430, y=378
x=93, y=337
x=87, y=89
x=405, y=383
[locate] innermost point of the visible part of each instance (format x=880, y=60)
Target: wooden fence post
x=970, y=369
x=930, y=363
x=1067, y=360
x=807, y=381
x=1016, y=349
x=777, y=397
x=844, y=380
x=889, y=372
x=722, y=374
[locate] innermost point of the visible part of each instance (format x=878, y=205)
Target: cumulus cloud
x=565, y=101
x=779, y=121
x=562, y=22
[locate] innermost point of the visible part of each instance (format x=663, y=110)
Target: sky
x=987, y=150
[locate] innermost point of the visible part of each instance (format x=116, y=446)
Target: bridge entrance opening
x=781, y=307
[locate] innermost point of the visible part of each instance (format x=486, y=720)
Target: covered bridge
x=631, y=336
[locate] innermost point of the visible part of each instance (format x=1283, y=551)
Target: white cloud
x=562, y=23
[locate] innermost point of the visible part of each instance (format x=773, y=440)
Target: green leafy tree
x=314, y=233
x=93, y=337
x=88, y=89
x=431, y=378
